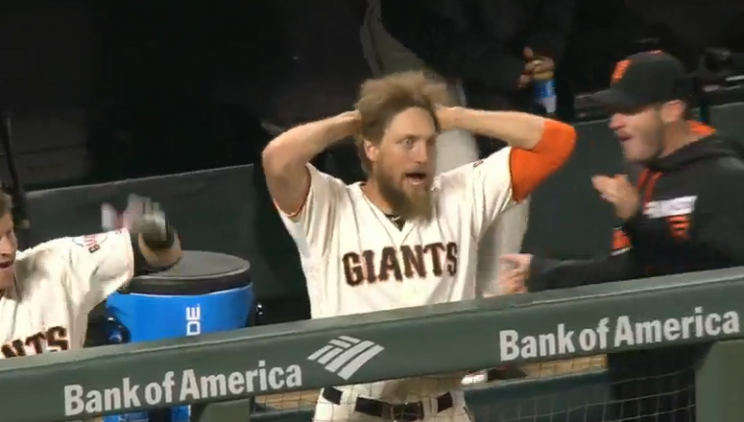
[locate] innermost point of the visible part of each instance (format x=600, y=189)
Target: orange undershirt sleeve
x=529, y=168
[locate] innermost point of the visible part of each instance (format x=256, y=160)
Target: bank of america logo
x=344, y=355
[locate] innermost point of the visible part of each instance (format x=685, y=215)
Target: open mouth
x=5, y=264
x=623, y=137
x=416, y=177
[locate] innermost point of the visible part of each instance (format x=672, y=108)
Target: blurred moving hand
x=541, y=68
x=514, y=270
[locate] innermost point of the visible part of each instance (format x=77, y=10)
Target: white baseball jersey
x=456, y=148
x=57, y=284
x=356, y=260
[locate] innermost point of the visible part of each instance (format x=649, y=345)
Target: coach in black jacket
x=682, y=207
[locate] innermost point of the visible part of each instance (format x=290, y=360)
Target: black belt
x=405, y=412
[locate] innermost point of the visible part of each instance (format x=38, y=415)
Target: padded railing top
x=650, y=313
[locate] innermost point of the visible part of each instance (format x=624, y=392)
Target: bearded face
x=407, y=192
x=403, y=163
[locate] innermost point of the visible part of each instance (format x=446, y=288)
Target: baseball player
x=404, y=237
x=385, y=54
x=47, y=291
x=456, y=147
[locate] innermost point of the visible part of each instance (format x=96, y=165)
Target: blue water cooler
x=205, y=292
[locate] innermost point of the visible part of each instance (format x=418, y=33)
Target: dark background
x=111, y=90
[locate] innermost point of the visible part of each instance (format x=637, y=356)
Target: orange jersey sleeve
x=529, y=168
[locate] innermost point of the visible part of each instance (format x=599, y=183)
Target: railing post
x=719, y=380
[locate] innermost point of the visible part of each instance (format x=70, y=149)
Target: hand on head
x=350, y=122
x=446, y=117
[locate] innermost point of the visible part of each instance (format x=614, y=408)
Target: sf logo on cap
x=620, y=69
x=622, y=66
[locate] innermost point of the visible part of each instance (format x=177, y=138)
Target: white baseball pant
x=326, y=411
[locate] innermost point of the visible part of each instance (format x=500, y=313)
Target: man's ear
x=372, y=150
x=673, y=111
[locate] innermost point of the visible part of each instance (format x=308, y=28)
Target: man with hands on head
x=405, y=236
x=681, y=205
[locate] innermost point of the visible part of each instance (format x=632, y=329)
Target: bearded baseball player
x=404, y=237
x=47, y=291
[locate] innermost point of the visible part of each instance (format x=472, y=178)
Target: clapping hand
x=618, y=191
x=514, y=270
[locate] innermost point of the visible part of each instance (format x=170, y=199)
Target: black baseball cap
x=645, y=79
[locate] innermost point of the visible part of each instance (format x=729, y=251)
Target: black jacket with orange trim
x=692, y=219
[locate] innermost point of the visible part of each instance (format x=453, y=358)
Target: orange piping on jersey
x=642, y=178
x=529, y=168
x=647, y=188
x=299, y=209
x=648, y=192
x=700, y=129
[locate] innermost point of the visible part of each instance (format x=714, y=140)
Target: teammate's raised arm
x=142, y=243
x=286, y=157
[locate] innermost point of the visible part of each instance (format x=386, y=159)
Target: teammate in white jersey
x=405, y=237
x=47, y=291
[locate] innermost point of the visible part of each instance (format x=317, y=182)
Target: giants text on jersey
x=356, y=260
x=57, y=284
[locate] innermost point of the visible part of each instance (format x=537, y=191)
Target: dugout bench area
x=224, y=371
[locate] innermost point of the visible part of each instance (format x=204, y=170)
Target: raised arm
x=101, y=263
x=285, y=159
x=155, y=242
x=540, y=147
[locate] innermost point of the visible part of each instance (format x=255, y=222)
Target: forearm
x=296, y=147
x=549, y=274
x=520, y=130
x=542, y=145
x=285, y=159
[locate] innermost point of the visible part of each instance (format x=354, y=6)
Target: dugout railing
x=403, y=343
